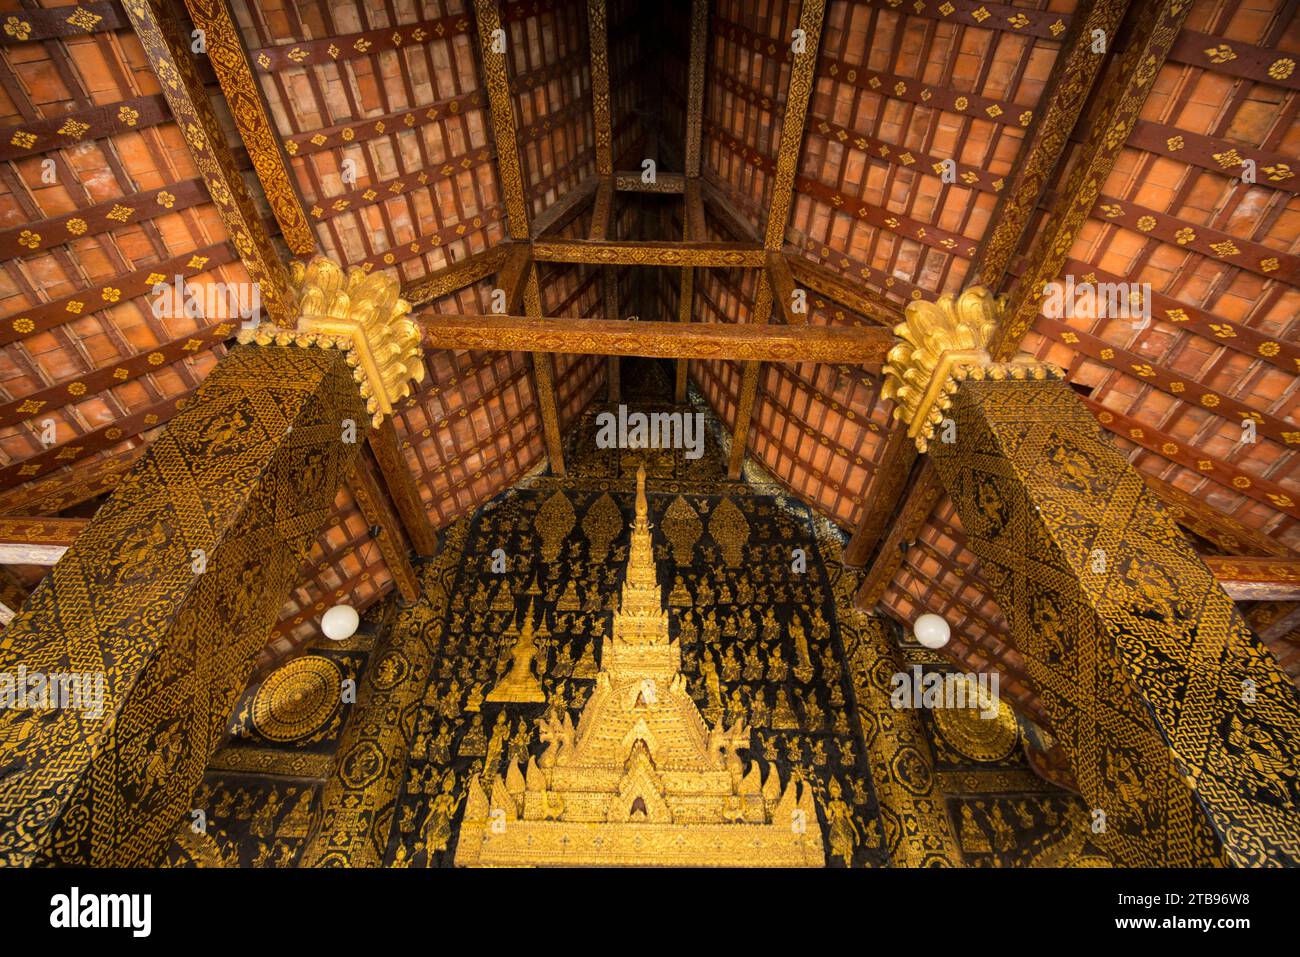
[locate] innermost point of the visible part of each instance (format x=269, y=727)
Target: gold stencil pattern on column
x=1138, y=655
x=243, y=476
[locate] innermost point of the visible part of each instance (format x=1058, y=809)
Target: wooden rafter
x=169, y=56
x=1255, y=578
x=455, y=276
x=797, y=97
x=28, y=540
x=379, y=515
x=252, y=116
x=693, y=226
x=598, y=40
x=387, y=450
x=502, y=114
x=1073, y=74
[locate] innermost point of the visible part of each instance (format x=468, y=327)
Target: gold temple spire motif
x=642, y=779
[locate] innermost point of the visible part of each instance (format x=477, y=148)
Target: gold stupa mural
x=642, y=777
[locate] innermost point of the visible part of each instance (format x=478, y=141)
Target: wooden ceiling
x=371, y=125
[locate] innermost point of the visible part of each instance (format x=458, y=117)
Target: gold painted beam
x=169, y=57
x=837, y=288
x=693, y=215
x=379, y=515
x=629, y=253
x=248, y=106
x=749, y=375
x=1194, y=514
x=1077, y=66
x=396, y=472
x=850, y=345
x=544, y=380
x=797, y=96
x=454, y=277
x=1255, y=578
x=598, y=42
x=168, y=595
x=1122, y=95
x=514, y=275
x=693, y=229
x=782, y=284
x=602, y=211
x=36, y=540
x=696, y=64
x=630, y=181
x=510, y=173
x=502, y=113
x=86, y=480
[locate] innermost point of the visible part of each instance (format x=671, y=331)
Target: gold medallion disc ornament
x=297, y=699
x=978, y=737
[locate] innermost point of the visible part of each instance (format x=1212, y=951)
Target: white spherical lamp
x=931, y=631
x=340, y=622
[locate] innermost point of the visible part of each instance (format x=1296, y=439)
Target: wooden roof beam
x=35, y=540
x=454, y=277
x=630, y=253
x=501, y=113
x=850, y=345
x=798, y=95
x=1255, y=578
x=169, y=56
x=382, y=519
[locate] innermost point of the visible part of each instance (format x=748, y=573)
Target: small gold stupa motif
x=642, y=779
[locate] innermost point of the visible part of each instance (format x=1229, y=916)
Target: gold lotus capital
x=940, y=344
x=362, y=314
